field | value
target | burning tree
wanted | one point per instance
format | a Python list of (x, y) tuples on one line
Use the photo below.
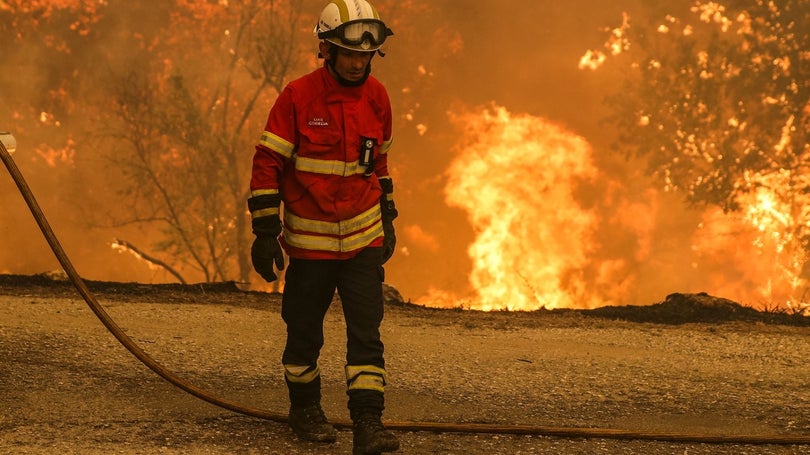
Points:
[(718, 102)]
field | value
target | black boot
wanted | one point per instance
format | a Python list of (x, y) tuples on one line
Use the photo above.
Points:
[(309, 423), (370, 436), (306, 416)]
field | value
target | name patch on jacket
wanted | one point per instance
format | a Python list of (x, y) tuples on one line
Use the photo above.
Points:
[(318, 121)]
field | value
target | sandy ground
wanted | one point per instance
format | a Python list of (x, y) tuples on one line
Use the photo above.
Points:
[(68, 387)]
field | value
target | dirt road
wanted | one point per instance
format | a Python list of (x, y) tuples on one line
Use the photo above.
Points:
[(68, 387)]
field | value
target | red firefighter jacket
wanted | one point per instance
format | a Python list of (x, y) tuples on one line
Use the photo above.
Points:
[(310, 153)]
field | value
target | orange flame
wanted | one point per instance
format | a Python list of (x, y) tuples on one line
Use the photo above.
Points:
[(515, 177)]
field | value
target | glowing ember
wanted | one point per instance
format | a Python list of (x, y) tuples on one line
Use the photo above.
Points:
[(515, 176)]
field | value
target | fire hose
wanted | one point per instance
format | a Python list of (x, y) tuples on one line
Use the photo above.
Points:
[(437, 427)]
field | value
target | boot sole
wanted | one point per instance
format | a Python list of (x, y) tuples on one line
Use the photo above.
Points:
[(376, 450), (315, 437)]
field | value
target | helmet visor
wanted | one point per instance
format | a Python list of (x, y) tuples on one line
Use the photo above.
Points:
[(355, 33)]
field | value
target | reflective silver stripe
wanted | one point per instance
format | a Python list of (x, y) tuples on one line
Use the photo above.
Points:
[(301, 374), (386, 146), (278, 144), (366, 377), (323, 243), (344, 227), (264, 212), (255, 193), (328, 167)]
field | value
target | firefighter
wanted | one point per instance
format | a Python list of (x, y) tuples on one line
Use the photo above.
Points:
[(322, 193)]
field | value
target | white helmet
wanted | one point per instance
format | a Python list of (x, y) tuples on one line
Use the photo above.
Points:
[(352, 24)]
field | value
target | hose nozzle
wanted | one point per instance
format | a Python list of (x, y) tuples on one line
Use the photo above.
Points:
[(8, 141)]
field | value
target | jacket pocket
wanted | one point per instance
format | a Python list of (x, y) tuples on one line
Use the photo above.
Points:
[(320, 143)]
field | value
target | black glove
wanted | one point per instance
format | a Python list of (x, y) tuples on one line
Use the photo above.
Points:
[(388, 211), (266, 222), (264, 253), (389, 241)]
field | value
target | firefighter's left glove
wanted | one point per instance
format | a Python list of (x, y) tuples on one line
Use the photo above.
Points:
[(388, 210), (389, 241), (265, 252)]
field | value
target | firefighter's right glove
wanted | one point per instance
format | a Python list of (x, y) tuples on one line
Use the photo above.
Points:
[(265, 252)]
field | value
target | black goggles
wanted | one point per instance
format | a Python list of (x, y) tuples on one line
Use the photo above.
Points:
[(355, 33)]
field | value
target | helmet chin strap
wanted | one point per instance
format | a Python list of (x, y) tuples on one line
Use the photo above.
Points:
[(333, 55)]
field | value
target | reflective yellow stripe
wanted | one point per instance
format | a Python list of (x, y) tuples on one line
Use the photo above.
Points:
[(255, 193), (278, 144), (366, 377), (343, 8), (352, 371), (301, 374), (344, 227), (322, 243), (387, 196), (368, 382), (368, 222), (344, 11), (264, 212), (386, 146), (329, 167)]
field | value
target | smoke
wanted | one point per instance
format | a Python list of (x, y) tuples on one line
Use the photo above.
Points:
[(629, 242), (44, 89), (519, 204), (527, 63)]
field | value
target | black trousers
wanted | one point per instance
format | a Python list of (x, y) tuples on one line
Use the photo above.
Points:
[(308, 292)]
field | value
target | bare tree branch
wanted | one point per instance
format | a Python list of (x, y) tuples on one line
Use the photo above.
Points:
[(123, 244)]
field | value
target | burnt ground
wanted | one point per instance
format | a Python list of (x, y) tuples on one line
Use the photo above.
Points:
[(676, 308), (692, 364)]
